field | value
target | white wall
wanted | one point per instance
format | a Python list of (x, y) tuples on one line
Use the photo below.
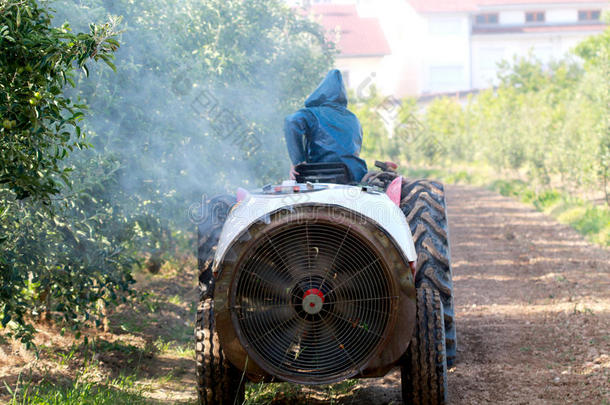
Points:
[(430, 52), (558, 16), (363, 72), (399, 74), (437, 52), (485, 58), (511, 17), (554, 14), (446, 58)]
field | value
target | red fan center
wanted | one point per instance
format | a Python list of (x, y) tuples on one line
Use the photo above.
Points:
[(312, 301)]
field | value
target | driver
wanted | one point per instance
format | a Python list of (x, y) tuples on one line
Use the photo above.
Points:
[(325, 131)]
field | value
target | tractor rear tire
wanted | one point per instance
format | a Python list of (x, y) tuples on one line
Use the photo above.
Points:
[(423, 203), (213, 214), (424, 365), (218, 381)]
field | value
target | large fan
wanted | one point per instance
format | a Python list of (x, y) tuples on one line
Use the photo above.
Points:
[(312, 301)]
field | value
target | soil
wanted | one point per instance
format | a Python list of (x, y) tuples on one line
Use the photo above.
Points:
[(532, 307)]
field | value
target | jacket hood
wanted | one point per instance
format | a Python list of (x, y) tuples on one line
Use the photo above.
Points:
[(330, 92)]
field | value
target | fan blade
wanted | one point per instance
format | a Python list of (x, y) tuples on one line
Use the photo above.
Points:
[(290, 256), (280, 343), (272, 273), (336, 328), (297, 257), (259, 321)]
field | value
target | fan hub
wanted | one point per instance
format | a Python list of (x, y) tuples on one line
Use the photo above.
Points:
[(313, 299)]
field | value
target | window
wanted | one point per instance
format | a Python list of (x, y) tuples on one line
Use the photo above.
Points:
[(486, 18), (534, 16), (589, 15)]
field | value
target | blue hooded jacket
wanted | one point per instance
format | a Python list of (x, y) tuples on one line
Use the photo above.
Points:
[(325, 130)]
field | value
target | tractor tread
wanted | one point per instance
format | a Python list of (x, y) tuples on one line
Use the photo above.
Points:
[(424, 366), (218, 381), (424, 206)]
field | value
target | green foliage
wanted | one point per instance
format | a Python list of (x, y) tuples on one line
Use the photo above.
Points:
[(593, 221), (36, 62), (595, 95), (51, 259), (443, 137), (376, 142), (509, 188), (594, 49), (250, 63), (544, 132), (69, 261)]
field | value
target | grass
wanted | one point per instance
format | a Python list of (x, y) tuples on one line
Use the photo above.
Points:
[(592, 221), (174, 347), (175, 299), (101, 345), (82, 391), (286, 393), (262, 393)]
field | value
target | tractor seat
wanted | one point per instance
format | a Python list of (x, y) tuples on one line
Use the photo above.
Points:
[(336, 173)]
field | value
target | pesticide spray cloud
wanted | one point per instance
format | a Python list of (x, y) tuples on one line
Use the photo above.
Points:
[(196, 106)]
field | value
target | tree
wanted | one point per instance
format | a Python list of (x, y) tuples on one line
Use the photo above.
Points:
[(36, 62), (376, 140), (595, 51), (195, 107), (40, 127), (198, 102)]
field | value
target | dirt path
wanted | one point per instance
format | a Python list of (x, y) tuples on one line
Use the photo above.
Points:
[(533, 302), (533, 309)]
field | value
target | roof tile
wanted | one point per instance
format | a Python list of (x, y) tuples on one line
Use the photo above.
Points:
[(357, 36)]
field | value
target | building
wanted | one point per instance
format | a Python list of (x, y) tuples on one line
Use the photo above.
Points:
[(442, 46), (465, 40), (360, 40)]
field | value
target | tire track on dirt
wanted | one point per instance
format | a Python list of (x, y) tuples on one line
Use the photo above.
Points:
[(532, 305)]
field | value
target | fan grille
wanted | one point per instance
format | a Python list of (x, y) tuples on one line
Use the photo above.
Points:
[(312, 301)]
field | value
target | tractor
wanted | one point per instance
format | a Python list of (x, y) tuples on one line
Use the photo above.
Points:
[(317, 280)]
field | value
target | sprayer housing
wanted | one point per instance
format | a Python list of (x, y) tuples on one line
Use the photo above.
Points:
[(313, 284)]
